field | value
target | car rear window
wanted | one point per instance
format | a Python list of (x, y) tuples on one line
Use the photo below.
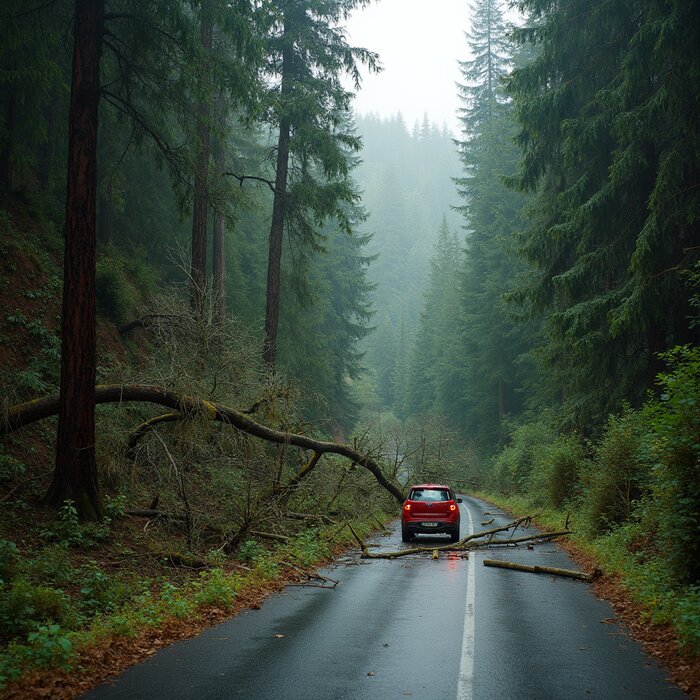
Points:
[(429, 495)]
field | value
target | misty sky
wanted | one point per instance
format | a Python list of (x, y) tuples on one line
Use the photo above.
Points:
[(419, 42)]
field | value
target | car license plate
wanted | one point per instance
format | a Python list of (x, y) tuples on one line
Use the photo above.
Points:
[(429, 524)]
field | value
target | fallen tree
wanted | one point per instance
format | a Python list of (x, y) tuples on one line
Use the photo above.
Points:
[(536, 569), (473, 541), (188, 407)]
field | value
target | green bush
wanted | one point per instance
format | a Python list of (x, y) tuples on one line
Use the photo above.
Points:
[(24, 607), (51, 566), (8, 561), (562, 464), (249, 551), (115, 296), (99, 592), (215, 587), (512, 467), (308, 548), (619, 473), (175, 602), (10, 468), (674, 424)]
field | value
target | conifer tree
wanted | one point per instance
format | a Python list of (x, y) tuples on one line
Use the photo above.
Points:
[(614, 161), (492, 340), (309, 55)]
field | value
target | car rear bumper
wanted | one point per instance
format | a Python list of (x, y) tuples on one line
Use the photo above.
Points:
[(417, 526)]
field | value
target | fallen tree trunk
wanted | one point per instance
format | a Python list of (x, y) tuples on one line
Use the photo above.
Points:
[(465, 543), (22, 414), (541, 537), (536, 569)]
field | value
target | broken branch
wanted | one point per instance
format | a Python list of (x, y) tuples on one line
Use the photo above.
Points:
[(22, 414), (568, 573)]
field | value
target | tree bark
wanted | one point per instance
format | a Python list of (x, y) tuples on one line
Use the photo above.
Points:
[(568, 573), (75, 475), (198, 267), (219, 267), (274, 260), (22, 414)]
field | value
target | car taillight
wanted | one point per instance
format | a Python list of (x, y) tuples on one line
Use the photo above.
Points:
[(407, 506), (453, 506)]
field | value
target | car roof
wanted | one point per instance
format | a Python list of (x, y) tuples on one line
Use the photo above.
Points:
[(430, 486)]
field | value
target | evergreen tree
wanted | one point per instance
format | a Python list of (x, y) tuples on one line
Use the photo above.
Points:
[(309, 55), (614, 161), (435, 381), (492, 340), (75, 474)]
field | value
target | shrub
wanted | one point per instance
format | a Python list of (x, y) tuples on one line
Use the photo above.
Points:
[(24, 607), (49, 647), (250, 550), (563, 462), (99, 593), (674, 423), (115, 296), (8, 561), (308, 548), (175, 603), (10, 467), (215, 587), (618, 475), (513, 465)]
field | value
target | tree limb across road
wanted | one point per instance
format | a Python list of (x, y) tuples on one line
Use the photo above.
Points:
[(473, 541), (22, 414)]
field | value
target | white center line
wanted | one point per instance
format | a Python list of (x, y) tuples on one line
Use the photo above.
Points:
[(465, 685)]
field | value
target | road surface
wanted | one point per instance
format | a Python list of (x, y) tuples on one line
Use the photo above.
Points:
[(412, 627)]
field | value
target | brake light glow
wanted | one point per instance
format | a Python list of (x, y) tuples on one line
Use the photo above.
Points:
[(453, 506), (407, 506)]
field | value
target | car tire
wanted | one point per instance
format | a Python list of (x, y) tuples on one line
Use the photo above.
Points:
[(454, 535), (406, 535)]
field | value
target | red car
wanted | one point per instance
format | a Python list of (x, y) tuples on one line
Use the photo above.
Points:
[(430, 508)]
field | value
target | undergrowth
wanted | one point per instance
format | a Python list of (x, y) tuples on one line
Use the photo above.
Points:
[(633, 494), (46, 627)]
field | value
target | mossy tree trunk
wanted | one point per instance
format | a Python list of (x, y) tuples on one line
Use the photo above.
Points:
[(75, 474)]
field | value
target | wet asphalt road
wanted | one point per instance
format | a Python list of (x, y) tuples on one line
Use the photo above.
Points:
[(415, 628)]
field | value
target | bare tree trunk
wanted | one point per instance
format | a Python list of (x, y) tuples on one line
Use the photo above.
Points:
[(198, 269), (75, 475), (218, 264), (274, 260)]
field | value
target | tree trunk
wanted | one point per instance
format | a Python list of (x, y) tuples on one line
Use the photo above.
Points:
[(218, 265), (6, 160), (274, 260), (75, 475), (198, 268)]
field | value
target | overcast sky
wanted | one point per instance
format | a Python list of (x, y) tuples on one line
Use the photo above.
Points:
[(419, 43)]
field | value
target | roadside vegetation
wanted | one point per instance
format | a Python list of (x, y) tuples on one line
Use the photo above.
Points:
[(631, 494)]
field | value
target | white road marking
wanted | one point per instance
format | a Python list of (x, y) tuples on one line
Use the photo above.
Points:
[(465, 685)]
